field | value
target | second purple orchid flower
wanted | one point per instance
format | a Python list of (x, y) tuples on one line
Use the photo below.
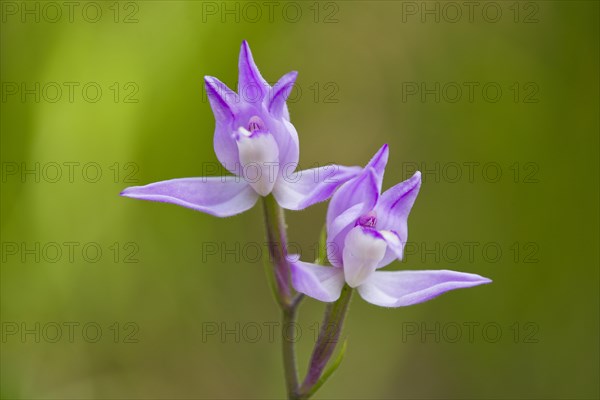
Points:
[(366, 231), (255, 141)]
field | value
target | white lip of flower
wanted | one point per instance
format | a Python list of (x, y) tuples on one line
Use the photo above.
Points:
[(259, 158), (362, 253)]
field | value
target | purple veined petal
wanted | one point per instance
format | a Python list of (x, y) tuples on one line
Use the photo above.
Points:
[(395, 205), (279, 94), (218, 196), (395, 247), (405, 288), (287, 139), (226, 148), (285, 113), (352, 200), (252, 87), (322, 283), (363, 250), (378, 163), (362, 189), (301, 189), (337, 231), (223, 101), (346, 220)]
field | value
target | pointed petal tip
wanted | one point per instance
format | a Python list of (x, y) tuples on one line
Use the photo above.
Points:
[(411, 185), (211, 84), (406, 287), (210, 80), (126, 192), (223, 101), (467, 277), (416, 178), (379, 161), (290, 77), (383, 151), (132, 192), (481, 280), (245, 51), (279, 94)]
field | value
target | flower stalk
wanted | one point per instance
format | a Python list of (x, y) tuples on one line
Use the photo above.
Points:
[(289, 353), (277, 243), (327, 341), (288, 302)]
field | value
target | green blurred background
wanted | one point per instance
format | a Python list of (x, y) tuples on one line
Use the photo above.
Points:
[(533, 333)]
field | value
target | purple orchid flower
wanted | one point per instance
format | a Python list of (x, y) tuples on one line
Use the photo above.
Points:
[(365, 232), (254, 140)]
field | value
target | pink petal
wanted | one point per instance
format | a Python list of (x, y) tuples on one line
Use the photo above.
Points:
[(223, 101), (352, 200), (224, 104), (378, 163), (287, 140), (395, 205), (218, 196), (395, 247), (279, 94), (322, 283), (404, 288), (302, 189), (251, 85)]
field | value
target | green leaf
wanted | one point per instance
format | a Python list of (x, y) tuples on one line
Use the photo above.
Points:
[(329, 371)]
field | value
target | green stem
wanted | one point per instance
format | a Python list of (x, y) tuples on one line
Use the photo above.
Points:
[(289, 353), (277, 243), (281, 280), (327, 341)]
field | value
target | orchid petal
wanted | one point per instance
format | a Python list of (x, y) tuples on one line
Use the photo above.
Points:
[(395, 247), (362, 189), (346, 220), (353, 199), (218, 196), (287, 140), (378, 163), (302, 189), (404, 288), (281, 91), (251, 85), (223, 101), (363, 249), (322, 283), (395, 205), (226, 148)]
